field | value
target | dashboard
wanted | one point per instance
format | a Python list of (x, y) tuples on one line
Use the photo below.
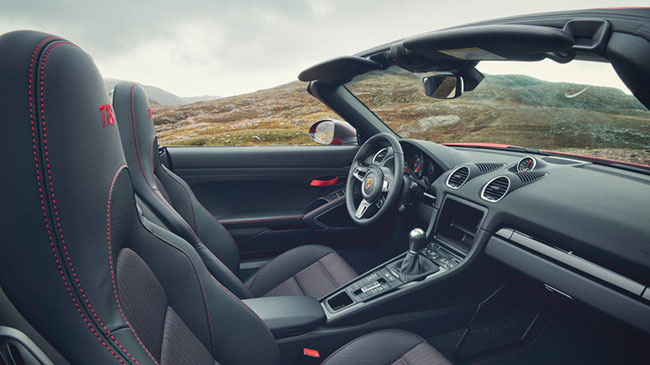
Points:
[(580, 229)]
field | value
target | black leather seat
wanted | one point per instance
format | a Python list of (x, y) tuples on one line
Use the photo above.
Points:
[(309, 270), (96, 279)]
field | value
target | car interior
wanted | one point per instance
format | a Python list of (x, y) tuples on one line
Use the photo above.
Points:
[(370, 249)]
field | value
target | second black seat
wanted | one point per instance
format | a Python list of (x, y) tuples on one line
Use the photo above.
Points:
[(311, 270)]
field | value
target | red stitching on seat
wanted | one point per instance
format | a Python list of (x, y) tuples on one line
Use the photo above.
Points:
[(205, 298), (196, 224), (136, 146), (110, 260), (141, 167), (56, 213)]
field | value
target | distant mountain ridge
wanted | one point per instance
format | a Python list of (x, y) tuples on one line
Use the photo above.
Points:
[(507, 109), (161, 96)]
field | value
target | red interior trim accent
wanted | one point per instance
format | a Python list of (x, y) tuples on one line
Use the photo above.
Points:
[(316, 182), (310, 352)]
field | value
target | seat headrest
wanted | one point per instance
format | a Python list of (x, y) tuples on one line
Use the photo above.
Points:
[(138, 135)]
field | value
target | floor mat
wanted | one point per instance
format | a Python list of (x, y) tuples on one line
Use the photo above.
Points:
[(579, 335), (497, 334)]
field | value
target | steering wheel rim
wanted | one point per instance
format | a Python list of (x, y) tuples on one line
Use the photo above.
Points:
[(375, 181)]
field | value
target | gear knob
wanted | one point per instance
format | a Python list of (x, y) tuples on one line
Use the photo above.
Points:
[(416, 240)]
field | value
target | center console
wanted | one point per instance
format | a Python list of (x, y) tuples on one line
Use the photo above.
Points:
[(288, 315), (431, 255)]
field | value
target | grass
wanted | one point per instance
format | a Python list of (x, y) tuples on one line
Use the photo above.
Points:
[(508, 109)]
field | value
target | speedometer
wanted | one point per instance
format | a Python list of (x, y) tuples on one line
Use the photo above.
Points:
[(527, 163), (416, 164)]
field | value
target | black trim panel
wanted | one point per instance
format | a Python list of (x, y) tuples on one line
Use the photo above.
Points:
[(624, 307)]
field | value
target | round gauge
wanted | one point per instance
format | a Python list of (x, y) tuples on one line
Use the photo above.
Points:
[(416, 164), (527, 163)]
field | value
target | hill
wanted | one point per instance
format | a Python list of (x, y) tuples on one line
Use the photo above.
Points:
[(161, 96), (509, 109)]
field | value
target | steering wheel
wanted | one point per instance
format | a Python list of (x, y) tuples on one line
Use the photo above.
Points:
[(380, 183)]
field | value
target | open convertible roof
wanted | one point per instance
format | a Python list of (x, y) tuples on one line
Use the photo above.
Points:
[(619, 36)]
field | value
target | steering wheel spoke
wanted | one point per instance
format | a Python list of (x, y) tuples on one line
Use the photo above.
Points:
[(385, 187), (360, 172), (362, 209), (388, 180)]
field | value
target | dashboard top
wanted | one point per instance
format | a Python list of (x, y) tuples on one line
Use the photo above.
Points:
[(598, 212)]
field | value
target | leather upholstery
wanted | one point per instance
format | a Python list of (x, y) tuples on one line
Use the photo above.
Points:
[(72, 237), (310, 270), (221, 255), (388, 347), (100, 282)]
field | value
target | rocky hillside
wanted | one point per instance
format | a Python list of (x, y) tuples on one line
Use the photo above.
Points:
[(509, 109), (281, 115), (161, 96)]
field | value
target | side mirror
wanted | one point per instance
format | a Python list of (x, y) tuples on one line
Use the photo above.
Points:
[(443, 86), (333, 132)]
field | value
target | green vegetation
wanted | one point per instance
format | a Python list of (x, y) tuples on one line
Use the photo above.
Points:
[(281, 115), (508, 109)]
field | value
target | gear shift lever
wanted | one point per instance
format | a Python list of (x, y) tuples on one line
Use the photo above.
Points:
[(414, 264), (416, 240)]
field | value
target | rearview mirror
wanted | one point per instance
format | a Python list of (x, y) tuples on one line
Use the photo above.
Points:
[(443, 86), (333, 132)]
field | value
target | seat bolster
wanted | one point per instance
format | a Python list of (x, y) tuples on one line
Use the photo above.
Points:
[(222, 273), (387, 347), (311, 270)]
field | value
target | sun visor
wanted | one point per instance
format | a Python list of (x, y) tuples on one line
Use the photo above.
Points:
[(339, 70), (491, 42)]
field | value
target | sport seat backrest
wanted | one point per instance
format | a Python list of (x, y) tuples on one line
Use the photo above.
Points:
[(166, 196), (101, 284)]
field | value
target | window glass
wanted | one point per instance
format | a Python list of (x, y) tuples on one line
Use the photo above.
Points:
[(277, 116), (581, 108)]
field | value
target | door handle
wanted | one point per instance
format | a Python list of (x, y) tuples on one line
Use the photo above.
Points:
[(319, 182)]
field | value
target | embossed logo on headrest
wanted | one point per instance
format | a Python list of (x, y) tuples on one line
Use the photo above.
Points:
[(107, 115)]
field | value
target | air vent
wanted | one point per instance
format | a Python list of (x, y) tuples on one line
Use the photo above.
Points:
[(495, 189), (530, 176), (488, 166), (458, 177), (380, 156)]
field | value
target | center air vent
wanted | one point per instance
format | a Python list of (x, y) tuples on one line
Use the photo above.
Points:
[(488, 166), (458, 177), (380, 156), (530, 176), (495, 189)]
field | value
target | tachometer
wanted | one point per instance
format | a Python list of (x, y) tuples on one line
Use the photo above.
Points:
[(416, 164), (527, 163)]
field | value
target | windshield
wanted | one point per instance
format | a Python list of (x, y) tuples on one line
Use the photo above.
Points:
[(519, 104)]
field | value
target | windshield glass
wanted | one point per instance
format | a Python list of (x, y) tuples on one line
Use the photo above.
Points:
[(521, 104)]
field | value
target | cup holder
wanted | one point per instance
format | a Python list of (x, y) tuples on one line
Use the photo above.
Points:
[(339, 301)]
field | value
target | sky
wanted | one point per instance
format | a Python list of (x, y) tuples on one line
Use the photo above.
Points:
[(218, 47)]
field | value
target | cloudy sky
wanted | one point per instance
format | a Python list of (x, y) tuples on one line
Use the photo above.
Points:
[(218, 47)]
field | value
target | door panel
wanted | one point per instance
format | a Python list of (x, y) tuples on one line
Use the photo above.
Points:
[(273, 198)]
